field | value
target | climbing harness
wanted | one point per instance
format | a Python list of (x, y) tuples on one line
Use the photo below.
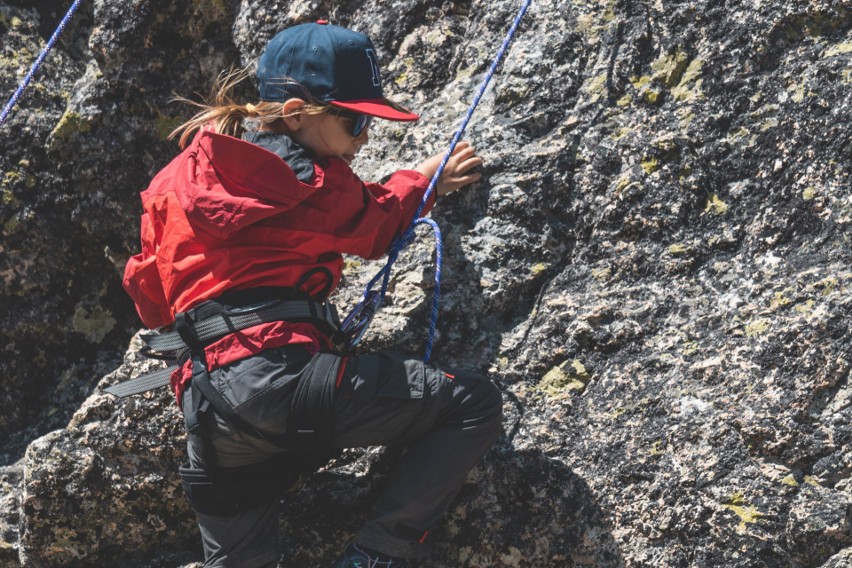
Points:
[(39, 60), (210, 321), (372, 301), (307, 442), (175, 344), (206, 325)]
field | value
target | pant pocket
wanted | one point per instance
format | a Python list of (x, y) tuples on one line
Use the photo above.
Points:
[(385, 375)]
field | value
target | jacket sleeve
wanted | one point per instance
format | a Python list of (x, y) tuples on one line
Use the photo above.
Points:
[(369, 216)]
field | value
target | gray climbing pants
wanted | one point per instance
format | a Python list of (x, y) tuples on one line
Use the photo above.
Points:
[(447, 421)]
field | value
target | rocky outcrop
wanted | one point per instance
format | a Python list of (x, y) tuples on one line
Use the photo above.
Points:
[(656, 270)]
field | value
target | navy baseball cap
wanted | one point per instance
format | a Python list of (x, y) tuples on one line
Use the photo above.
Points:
[(336, 66)]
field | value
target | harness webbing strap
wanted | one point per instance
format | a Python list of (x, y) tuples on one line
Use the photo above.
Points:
[(143, 383), (218, 326), (311, 419)]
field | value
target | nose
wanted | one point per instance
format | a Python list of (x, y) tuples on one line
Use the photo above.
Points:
[(364, 137)]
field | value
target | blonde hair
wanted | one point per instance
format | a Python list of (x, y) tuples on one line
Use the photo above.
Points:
[(224, 115)]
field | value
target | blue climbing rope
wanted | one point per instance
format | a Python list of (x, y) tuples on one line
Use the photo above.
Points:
[(408, 236), (35, 67)]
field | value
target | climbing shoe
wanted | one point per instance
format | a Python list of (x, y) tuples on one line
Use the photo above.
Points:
[(359, 557)]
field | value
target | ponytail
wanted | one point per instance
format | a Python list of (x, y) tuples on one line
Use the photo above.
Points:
[(222, 113)]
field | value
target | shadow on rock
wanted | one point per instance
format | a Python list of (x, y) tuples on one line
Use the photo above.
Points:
[(519, 508)]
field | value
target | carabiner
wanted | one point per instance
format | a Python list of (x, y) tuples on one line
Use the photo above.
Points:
[(357, 322)]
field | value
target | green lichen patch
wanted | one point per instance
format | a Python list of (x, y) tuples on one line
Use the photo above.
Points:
[(769, 124), (94, 323), (621, 132), (538, 268), (17, 59), (746, 513), (594, 22), (601, 274), (639, 82), (568, 377), (689, 347), (827, 286), (797, 92), (649, 91), (595, 86), (71, 123), (715, 205), (790, 480), (686, 116), (623, 182), (739, 134), (513, 93), (757, 328), (650, 164), (812, 481), (666, 145), (839, 49), (8, 198), (11, 178), (689, 86), (780, 299), (669, 69), (651, 95), (351, 264), (806, 307)]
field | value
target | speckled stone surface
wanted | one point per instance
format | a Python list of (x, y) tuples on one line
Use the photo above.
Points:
[(655, 269)]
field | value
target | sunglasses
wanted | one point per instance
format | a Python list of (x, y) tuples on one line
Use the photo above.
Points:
[(360, 122)]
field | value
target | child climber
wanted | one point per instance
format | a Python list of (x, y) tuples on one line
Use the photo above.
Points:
[(247, 226)]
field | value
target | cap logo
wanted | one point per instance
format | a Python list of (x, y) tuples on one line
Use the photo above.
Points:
[(330, 64), (374, 64)]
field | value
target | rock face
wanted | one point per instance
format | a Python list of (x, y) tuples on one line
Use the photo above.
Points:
[(656, 269)]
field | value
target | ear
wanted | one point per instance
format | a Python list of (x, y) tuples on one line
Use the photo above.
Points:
[(291, 113)]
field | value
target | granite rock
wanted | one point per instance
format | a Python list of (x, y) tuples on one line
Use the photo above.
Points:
[(655, 269)]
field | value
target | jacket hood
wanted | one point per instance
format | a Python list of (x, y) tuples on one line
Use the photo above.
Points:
[(233, 183)]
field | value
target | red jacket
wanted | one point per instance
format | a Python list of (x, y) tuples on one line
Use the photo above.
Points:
[(227, 215)]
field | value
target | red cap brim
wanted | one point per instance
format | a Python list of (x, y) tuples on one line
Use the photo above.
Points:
[(380, 108)]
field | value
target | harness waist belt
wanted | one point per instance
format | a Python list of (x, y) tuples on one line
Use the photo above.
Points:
[(236, 319), (217, 326)]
